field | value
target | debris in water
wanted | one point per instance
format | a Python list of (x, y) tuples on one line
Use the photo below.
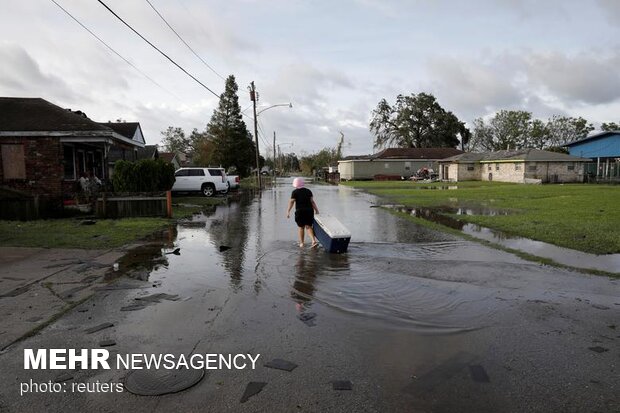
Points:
[(479, 374), (342, 385), (63, 377), (133, 307), (307, 318), (34, 319), (98, 328), (224, 248), (600, 307), (598, 349), (177, 251), (252, 389), (107, 343), (155, 298), (158, 382), (281, 365)]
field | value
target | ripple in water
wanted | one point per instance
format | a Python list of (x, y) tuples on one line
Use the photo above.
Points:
[(383, 282)]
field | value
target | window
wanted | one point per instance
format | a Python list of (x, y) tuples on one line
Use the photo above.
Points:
[(517, 166), (182, 172), (68, 159), (13, 162), (386, 165), (531, 168), (196, 172), (407, 166), (489, 167), (470, 166), (570, 166), (497, 167)]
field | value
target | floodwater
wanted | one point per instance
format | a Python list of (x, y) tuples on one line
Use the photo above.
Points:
[(414, 319), (609, 262)]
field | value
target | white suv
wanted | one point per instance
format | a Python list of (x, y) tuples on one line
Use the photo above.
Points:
[(206, 180)]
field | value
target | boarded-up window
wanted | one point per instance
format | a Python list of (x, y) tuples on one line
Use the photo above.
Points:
[(13, 162)]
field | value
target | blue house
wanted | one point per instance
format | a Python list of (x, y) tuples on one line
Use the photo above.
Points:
[(602, 147)]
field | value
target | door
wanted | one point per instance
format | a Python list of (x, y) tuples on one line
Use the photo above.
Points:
[(181, 182)]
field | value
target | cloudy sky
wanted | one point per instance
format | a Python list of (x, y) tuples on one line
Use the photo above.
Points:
[(333, 59)]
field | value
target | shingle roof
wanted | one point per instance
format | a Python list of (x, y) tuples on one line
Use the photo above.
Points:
[(167, 156), (148, 152), (532, 155), (416, 153), (39, 115), (127, 129)]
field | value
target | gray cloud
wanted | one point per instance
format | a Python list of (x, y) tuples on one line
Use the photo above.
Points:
[(612, 9), (583, 78), (20, 75)]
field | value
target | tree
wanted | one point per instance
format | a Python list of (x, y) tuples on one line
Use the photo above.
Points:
[(610, 127), (416, 121), (232, 143), (563, 129), (175, 141), (202, 148)]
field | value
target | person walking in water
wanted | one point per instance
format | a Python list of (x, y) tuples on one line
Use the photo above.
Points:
[(305, 208)]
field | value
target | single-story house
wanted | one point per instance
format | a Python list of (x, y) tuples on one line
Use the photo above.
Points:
[(521, 166), (604, 149), (45, 148), (130, 130), (403, 162)]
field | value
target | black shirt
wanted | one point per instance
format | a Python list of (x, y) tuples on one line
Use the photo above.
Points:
[(302, 197)]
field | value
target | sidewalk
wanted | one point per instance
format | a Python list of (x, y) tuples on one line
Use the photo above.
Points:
[(38, 284)]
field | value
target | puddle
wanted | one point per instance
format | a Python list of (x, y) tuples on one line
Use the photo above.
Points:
[(565, 256), (577, 259)]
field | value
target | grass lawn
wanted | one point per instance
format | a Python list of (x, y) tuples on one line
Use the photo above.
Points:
[(105, 233), (578, 216)]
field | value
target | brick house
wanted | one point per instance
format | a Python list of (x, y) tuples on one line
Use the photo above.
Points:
[(520, 166), (45, 148)]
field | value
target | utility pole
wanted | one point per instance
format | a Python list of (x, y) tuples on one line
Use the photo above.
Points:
[(254, 99), (274, 159)]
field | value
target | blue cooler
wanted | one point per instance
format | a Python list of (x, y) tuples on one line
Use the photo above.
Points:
[(332, 235)]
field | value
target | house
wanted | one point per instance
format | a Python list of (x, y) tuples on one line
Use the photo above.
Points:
[(132, 131), (44, 148), (602, 147), (172, 158), (148, 152), (403, 162), (521, 166)]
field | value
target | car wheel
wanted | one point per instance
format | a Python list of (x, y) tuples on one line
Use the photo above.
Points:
[(208, 190)]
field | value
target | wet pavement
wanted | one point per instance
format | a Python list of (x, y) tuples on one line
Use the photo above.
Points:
[(408, 320)]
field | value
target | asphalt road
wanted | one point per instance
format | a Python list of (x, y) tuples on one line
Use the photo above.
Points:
[(415, 320)]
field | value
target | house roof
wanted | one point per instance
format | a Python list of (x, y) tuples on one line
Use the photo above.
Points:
[(593, 137), (148, 152), (39, 115), (407, 153), (531, 155), (416, 153), (167, 156), (127, 129)]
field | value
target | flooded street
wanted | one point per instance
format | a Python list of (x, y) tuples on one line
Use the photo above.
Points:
[(415, 320)]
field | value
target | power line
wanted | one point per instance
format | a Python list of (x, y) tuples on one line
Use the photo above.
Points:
[(182, 40), (156, 48), (112, 50)]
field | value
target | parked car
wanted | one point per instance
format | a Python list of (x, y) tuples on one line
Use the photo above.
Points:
[(208, 181), (233, 181)]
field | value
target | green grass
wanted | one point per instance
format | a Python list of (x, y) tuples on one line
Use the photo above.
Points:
[(577, 216), (104, 234)]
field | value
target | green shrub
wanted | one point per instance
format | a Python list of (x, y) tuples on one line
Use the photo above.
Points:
[(146, 175)]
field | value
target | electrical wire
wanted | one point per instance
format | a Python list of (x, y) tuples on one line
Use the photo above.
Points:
[(156, 48), (114, 51), (184, 42)]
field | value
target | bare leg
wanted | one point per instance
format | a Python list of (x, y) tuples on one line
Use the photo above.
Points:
[(301, 236), (310, 231)]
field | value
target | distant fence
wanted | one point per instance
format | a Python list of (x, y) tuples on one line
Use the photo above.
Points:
[(155, 205), (23, 209)]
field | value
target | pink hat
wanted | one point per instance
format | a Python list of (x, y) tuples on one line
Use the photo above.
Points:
[(298, 182)]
